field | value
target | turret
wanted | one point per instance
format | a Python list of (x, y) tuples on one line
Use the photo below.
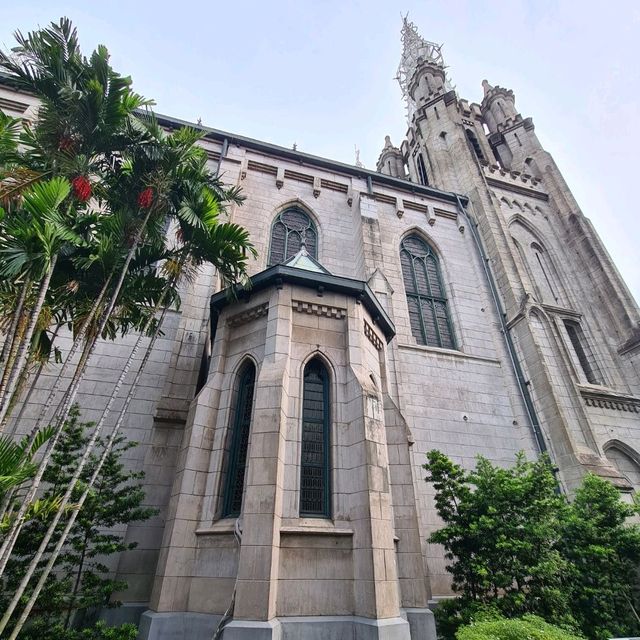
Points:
[(499, 107), (390, 161), (511, 137)]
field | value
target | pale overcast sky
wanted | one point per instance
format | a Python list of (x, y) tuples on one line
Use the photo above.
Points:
[(320, 74)]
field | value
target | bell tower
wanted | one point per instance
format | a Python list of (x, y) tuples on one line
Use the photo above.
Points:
[(568, 317)]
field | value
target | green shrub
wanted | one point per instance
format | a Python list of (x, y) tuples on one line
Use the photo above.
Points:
[(525, 628), (99, 631)]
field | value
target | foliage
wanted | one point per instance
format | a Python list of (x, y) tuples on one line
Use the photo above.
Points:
[(99, 631), (501, 532), (81, 582), (603, 552), (516, 547), (528, 627)]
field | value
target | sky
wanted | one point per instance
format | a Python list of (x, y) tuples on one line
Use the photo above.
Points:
[(320, 74)]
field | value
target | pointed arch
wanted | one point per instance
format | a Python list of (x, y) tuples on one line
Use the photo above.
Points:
[(426, 297), (625, 459), (238, 438), (293, 223), (505, 201), (541, 268), (315, 464)]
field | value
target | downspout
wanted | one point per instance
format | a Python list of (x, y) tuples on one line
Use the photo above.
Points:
[(523, 384), (223, 154)]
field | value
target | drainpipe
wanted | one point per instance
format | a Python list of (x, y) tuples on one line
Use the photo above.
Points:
[(523, 384), (223, 153)]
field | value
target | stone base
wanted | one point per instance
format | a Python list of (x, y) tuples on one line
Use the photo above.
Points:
[(129, 612), (174, 625), (200, 626), (253, 630), (422, 623), (344, 627)]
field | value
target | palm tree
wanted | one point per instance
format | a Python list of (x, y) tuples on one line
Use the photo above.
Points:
[(141, 179)]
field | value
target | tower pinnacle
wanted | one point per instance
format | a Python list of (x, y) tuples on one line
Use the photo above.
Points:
[(415, 50)]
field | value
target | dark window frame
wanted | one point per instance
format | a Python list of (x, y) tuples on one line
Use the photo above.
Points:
[(312, 506), (422, 170), (289, 249), (583, 352), (423, 292), (237, 457)]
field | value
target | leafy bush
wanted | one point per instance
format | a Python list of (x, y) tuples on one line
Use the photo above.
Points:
[(516, 546), (526, 628), (100, 631)]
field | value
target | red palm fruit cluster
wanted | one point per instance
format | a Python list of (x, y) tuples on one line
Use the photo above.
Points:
[(145, 198), (81, 188), (66, 143)]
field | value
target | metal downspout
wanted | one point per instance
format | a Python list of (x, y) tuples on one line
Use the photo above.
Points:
[(523, 384)]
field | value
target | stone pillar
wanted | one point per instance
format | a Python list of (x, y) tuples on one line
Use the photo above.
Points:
[(374, 557), (256, 591)]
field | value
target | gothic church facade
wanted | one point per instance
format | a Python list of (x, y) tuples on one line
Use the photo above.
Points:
[(456, 298)]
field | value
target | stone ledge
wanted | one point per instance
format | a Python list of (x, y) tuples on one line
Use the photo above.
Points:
[(608, 399), (225, 526), (448, 352), (315, 531)]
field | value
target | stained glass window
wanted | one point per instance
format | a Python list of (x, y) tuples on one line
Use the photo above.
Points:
[(314, 474), (287, 232), (234, 486), (428, 313)]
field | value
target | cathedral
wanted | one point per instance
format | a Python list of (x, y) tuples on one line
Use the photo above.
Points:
[(456, 298)]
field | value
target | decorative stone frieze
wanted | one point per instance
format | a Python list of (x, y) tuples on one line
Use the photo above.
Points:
[(373, 336), (248, 315), (319, 309), (611, 401)]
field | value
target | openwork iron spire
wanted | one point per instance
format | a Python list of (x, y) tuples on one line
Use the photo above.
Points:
[(414, 49)]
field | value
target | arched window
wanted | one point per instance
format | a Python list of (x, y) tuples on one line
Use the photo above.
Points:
[(475, 144), (583, 352), (314, 465), (237, 456), (426, 298), (287, 232), (422, 171)]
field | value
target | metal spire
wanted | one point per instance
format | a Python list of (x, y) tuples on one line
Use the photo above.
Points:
[(414, 49)]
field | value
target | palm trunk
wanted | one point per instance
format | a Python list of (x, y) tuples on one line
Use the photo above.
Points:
[(12, 536), (77, 341), (10, 347), (74, 387), (32, 386), (13, 327), (21, 357), (78, 506)]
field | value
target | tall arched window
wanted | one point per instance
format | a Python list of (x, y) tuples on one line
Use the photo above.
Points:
[(286, 235), (237, 456), (426, 298), (315, 499), (475, 144), (422, 170)]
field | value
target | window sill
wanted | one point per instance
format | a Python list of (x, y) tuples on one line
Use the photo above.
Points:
[(446, 352), (222, 527), (313, 526)]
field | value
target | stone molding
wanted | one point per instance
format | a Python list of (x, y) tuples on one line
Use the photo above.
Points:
[(323, 310), (373, 336), (610, 400), (248, 315)]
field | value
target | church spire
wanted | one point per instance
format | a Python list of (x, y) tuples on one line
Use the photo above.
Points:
[(415, 51)]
